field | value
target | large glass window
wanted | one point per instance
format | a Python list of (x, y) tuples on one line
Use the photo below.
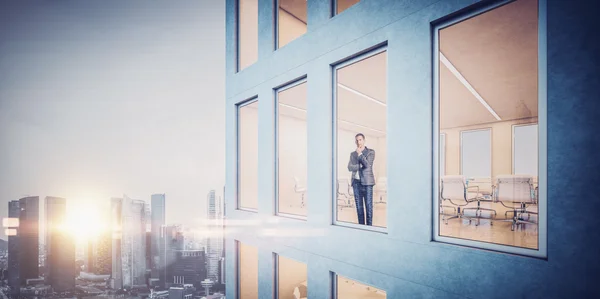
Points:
[(247, 32), (351, 289), (291, 20), (292, 280), (341, 5), (248, 155), (360, 107), (292, 150), (247, 271), (487, 100)]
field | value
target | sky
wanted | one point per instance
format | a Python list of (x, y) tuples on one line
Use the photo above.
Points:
[(104, 98)]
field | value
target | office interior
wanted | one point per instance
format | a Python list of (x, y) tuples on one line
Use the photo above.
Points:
[(292, 279), (488, 125)]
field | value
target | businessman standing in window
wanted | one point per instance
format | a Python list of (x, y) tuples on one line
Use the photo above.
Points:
[(363, 180)]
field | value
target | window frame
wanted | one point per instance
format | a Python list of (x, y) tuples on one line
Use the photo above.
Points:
[(283, 87), (276, 25), (334, 284), (542, 251), (237, 38), (238, 107), (357, 57)]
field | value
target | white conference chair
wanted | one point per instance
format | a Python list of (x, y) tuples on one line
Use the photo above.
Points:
[(345, 194), (381, 189), (298, 188), (516, 192), (455, 191)]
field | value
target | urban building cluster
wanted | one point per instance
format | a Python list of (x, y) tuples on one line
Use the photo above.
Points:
[(140, 256)]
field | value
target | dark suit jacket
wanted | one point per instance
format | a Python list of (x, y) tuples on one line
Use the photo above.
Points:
[(364, 166)]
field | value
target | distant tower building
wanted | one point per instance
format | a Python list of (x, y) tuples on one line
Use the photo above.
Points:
[(12, 231), (189, 267), (116, 208), (60, 246), (171, 240), (89, 259), (133, 242), (29, 238), (215, 239), (103, 254), (158, 218)]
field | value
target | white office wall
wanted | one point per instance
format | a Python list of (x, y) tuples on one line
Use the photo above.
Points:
[(525, 150), (442, 154), (292, 159), (476, 153)]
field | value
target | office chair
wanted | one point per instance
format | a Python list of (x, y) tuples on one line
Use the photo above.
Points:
[(381, 189), (299, 189), (517, 191), (345, 194), (484, 194), (455, 191)]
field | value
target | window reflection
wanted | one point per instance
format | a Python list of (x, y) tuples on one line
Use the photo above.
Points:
[(292, 281), (248, 271), (247, 33), (488, 115), (291, 21), (361, 109), (248, 155), (351, 289), (292, 150)]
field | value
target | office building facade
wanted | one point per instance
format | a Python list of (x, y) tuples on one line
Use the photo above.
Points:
[(491, 109), (158, 218), (60, 246), (189, 267)]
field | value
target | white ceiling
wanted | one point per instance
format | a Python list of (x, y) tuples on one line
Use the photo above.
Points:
[(496, 52), (297, 8)]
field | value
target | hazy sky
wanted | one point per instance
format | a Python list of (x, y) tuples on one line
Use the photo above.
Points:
[(104, 98)]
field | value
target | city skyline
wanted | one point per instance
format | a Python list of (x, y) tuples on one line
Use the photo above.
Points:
[(93, 122)]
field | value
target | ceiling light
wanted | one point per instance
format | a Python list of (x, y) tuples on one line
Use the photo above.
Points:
[(464, 81), (340, 120), (362, 94)]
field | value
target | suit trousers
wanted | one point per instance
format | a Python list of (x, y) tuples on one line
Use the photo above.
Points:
[(363, 196)]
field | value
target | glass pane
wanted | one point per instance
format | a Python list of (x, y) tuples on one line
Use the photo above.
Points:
[(292, 150), (248, 156), (248, 271), (291, 20), (351, 289), (361, 104), (342, 5), (487, 91), (292, 279), (247, 32)]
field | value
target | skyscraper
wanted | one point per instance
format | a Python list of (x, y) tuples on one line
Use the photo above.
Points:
[(103, 254), (116, 207), (28, 238), (133, 242), (171, 239), (215, 239), (158, 210), (12, 232), (60, 248), (189, 267)]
